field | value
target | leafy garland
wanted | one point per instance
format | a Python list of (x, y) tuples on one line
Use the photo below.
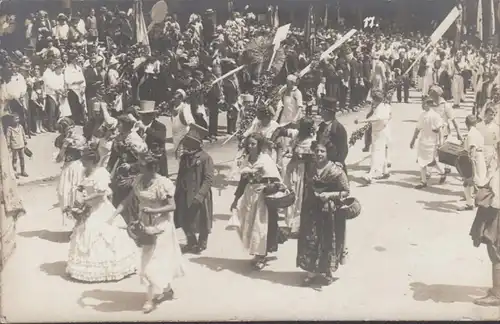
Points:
[(389, 93), (167, 107)]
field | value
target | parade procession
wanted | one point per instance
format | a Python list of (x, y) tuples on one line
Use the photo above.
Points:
[(226, 160)]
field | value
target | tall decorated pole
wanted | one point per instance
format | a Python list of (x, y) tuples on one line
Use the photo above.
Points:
[(459, 26), (479, 20)]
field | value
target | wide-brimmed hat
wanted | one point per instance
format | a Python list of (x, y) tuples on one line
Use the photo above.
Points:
[(147, 107), (62, 16), (436, 89)]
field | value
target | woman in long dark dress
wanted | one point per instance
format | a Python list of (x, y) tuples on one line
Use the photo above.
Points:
[(322, 231)]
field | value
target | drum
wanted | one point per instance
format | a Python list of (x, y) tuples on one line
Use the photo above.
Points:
[(464, 166), (449, 152)]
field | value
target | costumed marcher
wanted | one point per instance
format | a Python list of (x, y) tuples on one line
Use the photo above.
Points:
[(99, 251), (380, 126), (491, 133), (193, 192), (70, 143), (294, 176), (259, 230), (474, 145), (321, 243), (75, 83), (429, 127), (161, 259), (123, 163)]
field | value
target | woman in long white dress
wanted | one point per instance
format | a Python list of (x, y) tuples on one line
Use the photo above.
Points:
[(259, 231), (161, 260), (70, 143), (99, 251), (491, 133)]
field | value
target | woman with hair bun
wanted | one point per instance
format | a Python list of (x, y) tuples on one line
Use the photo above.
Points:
[(99, 251)]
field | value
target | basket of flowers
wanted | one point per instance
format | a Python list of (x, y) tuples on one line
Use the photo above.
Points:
[(277, 196)]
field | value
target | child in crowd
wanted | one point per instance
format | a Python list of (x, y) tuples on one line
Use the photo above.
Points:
[(16, 140)]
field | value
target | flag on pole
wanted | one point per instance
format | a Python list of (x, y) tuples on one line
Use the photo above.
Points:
[(459, 23), (276, 20), (325, 21), (141, 30), (493, 20), (479, 20)]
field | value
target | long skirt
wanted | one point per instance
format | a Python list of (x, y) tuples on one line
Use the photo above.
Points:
[(379, 159), (99, 251), (294, 179), (321, 243), (71, 176), (258, 224), (162, 262)]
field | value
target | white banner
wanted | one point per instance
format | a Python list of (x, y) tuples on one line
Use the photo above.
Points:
[(332, 48), (445, 25)]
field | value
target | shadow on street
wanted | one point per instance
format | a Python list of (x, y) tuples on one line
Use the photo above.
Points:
[(55, 237), (244, 268), (110, 301), (446, 293)]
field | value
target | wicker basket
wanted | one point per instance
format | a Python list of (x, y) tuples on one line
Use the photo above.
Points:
[(281, 199), (350, 209)]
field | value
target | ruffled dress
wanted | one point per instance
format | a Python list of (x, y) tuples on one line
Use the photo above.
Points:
[(162, 261), (99, 251)]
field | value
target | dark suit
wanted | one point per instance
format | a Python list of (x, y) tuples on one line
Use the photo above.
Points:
[(335, 139), (355, 74), (212, 100), (231, 93), (155, 138), (92, 78), (193, 197), (402, 65), (343, 68)]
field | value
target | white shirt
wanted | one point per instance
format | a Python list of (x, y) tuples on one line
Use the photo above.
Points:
[(72, 75), (17, 87), (381, 116), (61, 31), (292, 106), (53, 83)]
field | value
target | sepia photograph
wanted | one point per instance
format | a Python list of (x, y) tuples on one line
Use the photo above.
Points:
[(249, 160)]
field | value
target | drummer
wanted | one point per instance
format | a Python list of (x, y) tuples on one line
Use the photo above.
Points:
[(474, 145), (491, 133), (445, 110)]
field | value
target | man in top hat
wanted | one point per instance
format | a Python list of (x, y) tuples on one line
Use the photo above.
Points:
[(154, 133), (93, 79), (193, 192), (332, 132)]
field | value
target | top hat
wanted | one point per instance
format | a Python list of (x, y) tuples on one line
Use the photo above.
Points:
[(329, 104), (147, 107), (196, 133)]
